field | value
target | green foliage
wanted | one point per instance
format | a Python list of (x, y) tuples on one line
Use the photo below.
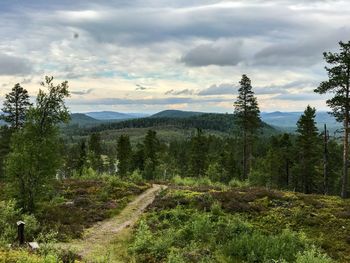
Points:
[(312, 255), (8, 218), (247, 118), (186, 235), (308, 143), (16, 106), (198, 156), (95, 152), (9, 215), (124, 154), (23, 256), (34, 156), (192, 181), (323, 220), (136, 177), (151, 148)]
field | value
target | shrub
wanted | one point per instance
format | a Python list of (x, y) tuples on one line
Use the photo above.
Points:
[(136, 177), (238, 183), (312, 255), (187, 235), (8, 217)]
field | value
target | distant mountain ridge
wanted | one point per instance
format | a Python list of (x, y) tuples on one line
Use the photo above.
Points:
[(176, 114), (113, 115), (277, 118), (290, 119), (82, 119)]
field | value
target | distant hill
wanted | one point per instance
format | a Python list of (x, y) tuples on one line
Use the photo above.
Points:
[(205, 121), (176, 114), (289, 119), (83, 120), (113, 115)]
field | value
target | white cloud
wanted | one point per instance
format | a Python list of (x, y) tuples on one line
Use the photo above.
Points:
[(175, 45)]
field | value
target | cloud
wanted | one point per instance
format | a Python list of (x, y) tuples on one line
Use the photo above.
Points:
[(217, 53), (221, 89), (140, 87), (180, 92), (82, 92), (171, 43), (301, 52), (287, 88), (151, 101), (298, 97), (13, 65)]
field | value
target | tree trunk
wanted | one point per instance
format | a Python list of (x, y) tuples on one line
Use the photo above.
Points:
[(287, 172), (244, 155), (345, 156), (325, 162), (346, 139)]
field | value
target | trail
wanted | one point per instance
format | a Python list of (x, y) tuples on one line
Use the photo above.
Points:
[(98, 237)]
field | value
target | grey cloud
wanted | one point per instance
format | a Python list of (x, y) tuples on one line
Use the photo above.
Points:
[(140, 87), (26, 80), (221, 89), (138, 25), (223, 54), (180, 92), (155, 101), (82, 92), (12, 65), (286, 88), (304, 51), (231, 89), (298, 97)]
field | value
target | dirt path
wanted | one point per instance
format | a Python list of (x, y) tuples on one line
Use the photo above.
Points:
[(98, 237)]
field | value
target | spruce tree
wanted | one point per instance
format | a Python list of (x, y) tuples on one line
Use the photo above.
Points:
[(124, 155), (16, 106), (247, 118), (150, 150), (308, 143), (82, 159), (95, 149), (338, 83), (198, 154)]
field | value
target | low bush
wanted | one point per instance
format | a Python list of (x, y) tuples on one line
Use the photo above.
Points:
[(188, 235), (9, 215)]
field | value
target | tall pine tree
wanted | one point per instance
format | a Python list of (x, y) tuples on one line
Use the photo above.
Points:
[(198, 154), (150, 151), (308, 143), (338, 83), (95, 151), (247, 118), (16, 106), (124, 155)]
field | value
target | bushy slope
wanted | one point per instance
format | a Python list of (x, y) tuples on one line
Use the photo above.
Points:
[(260, 217)]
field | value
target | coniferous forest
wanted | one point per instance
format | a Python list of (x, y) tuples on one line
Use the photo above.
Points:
[(176, 186)]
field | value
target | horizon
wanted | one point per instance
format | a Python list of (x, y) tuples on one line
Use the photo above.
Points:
[(183, 55), (150, 113)]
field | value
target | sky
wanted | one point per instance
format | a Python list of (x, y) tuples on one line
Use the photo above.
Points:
[(151, 55)]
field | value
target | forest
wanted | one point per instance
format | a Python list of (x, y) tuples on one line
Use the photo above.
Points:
[(229, 187)]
